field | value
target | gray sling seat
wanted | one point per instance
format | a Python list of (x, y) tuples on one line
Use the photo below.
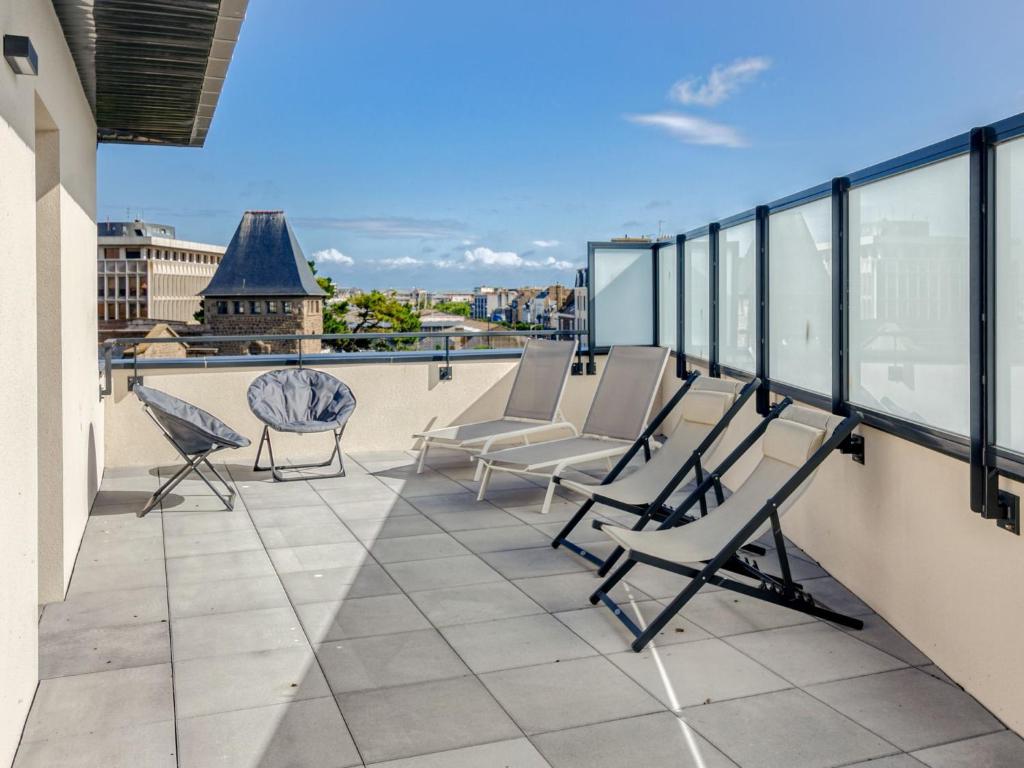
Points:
[(531, 411), (303, 401), (195, 434), (618, 412), (794, 441), (706, 408)]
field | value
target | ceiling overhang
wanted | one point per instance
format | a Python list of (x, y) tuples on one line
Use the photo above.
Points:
[(152, 70)]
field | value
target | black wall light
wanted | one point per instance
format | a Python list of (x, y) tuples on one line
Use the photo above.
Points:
[(21, 55)]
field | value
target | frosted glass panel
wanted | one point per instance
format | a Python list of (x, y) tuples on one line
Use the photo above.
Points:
[(800, 296), (737, 300), (623, 296), (909, 295), (668, 287), (1010, 295), (696, 289)]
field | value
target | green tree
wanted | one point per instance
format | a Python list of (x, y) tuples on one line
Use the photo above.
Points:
[(377, 313), (335, 312), (454, 308)]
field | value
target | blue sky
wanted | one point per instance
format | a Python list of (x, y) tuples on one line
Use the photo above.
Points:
[(450, 144)]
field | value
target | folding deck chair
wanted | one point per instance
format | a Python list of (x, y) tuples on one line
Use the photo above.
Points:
[(707, 406), (620, 407), (794, 443), (532, 408), (195, 434)]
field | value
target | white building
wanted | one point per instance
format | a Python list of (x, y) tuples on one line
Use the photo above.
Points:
[(145, 273)]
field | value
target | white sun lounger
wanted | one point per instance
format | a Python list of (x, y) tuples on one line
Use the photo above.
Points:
[(532, 408), (618, 412), (706, 408), (794, 442)]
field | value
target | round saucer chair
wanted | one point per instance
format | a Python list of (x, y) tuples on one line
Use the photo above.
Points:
[(300, 400)]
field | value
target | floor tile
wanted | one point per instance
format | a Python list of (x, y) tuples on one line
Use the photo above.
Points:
[(408, 548), (122, 523), (725, 613), (813, 653), (561, 510), (568, 591), (201, 598), (341, 555), (582, 534), (909, 708), (479, 602), (997, 750), (552, 697), (599, 627), (244, 680), (337, 584), (444, 572), (412, 485), (266, 496), (103, 578), (880, 634), (275, 537), (501, 539), (206, 522), (835, 596), (187, 545), (409, 720), (388, 660), (516, 753), (82, 704), (360, 617), (212, 568), (116, 607), (471, 519), (452, 502), (541, 561), (275, 517), (788, 729), (517, 642), (80, 651), (893, 761), (697, 673), (371, 531), (264, 629), (344, 495), (144, 744), (660, 740), (108, 550), (372, 509), (302, 734)]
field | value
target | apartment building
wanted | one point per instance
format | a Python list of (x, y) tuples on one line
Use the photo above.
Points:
[(144, 272)]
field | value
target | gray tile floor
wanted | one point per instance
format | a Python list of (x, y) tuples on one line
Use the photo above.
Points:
[(390, 619)]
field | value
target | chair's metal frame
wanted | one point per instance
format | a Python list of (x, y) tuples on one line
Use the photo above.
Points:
[(192, 464), (772, 589), (656, 509), (275, 468)]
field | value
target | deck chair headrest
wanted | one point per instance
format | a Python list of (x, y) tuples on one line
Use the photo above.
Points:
[(704, 407), (791, 442)]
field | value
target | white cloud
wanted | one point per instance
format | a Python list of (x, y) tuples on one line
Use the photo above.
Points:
[(546, 243), (690, 129), (720, 84), (484, 258), (488, 258), (333, 256), (399, 263), (387, 226)]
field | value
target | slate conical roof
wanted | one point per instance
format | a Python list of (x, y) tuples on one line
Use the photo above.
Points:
[(263, 259)]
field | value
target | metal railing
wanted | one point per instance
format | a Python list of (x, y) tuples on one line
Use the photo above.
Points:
[(113, 350)]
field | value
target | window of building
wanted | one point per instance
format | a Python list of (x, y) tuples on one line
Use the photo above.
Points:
[(255, 307), (908, 287), (286, 307), (800, 296), (222, 307), (271, 307), (239, 307), (133, 254)]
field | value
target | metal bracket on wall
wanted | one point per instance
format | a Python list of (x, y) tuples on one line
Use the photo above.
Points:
[(133, 380), (591, 369), (577, 369), (853, 446), (445, 373), (1009, 507)]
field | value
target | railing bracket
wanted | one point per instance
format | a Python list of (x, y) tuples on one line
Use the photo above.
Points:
[(133, 380), (445, 373), (1009, 508), (853, 446), (577, 369)]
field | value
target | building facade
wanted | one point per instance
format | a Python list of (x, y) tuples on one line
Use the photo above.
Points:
[(145, 273), (264, 287)]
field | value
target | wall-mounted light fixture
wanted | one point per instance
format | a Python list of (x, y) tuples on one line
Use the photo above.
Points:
[(21, 55)]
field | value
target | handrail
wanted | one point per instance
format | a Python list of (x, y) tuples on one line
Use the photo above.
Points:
[(445, 354)]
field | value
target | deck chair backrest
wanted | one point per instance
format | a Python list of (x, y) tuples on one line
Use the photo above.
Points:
[(629, 382), (540, 379)]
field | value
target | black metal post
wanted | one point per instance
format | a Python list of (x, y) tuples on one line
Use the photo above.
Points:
[(681, 367), (655, 296), (714, 369), (840, 294), (761, 291)]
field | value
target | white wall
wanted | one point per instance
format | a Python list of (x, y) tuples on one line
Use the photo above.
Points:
[(77, 436)]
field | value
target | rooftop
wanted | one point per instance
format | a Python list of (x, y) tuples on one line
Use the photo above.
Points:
[(387, 617)]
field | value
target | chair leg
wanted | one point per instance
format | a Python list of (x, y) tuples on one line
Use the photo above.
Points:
[(166, 488), (275, 468), (485, 478), (423, 455), (608, 584), (479, 471), (549, 496), (573, 522)]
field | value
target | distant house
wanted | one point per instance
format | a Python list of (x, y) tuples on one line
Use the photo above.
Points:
[(264, 286)]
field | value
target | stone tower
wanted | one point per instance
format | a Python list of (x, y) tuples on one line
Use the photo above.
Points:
[(264, 286)]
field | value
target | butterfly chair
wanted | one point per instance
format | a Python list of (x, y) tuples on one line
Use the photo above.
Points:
[(301, 401), (794, 442), (532, 408), (195, 434)]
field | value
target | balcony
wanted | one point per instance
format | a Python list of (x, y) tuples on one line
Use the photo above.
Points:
[(390, 618)]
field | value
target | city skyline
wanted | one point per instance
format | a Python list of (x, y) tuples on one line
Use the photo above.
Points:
[(440, 157)]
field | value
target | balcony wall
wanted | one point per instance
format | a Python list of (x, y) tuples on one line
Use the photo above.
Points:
[(899, 532), (52, 433)]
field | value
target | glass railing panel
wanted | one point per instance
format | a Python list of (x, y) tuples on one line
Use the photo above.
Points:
[(697, 298), (800, 296), (737, 299), (908, 304), (1009, 298), (623, 302), (668, 295)]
